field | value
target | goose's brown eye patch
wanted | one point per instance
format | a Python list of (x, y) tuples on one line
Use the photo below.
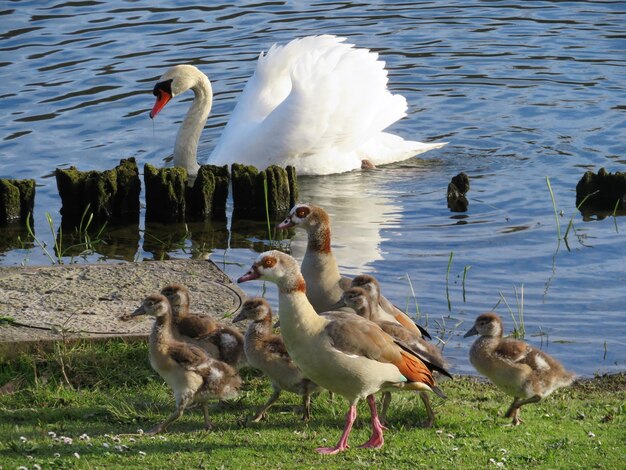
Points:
[(302, 212), (269, 262)]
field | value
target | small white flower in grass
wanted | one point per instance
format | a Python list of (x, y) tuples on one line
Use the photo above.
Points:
[(131, 439), (52, 434), (142, 453), (67, 440), (500, 464), (36, 466), (84, 437), (57, 455), (590, 434), (116, 439), (504, 451), (77, 455), (22, 468), (105, 445), (23, 439), (454, 449), (119, 448), (140, 431), (439, 431), (450, 436)]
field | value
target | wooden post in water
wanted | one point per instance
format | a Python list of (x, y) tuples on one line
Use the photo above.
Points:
[(206, 199), (249, 191), (17, 199), (602, 192), (112, 195), (165, 193)]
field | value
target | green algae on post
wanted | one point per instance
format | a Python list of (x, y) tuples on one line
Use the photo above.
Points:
[(249, 195), (165, 193), (206, 199), (17, 199), (112, 195)]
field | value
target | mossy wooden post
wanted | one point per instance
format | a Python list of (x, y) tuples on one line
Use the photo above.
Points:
[(278, 191), (249, 192), (17, 200), (165, 193), (112, 195), (206, 200), (292, 179), (245, 191), (128, 188), (602, 192)]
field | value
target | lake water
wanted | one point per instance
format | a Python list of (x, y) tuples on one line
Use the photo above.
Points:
[(521, 90)]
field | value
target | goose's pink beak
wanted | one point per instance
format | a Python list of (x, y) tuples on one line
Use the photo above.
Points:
[(162, 99), (287, 223), (249, 276)]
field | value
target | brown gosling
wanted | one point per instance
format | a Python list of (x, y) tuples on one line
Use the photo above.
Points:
[(518, 369), (220, 341), (365, 304), (266, 351), (191, 373)]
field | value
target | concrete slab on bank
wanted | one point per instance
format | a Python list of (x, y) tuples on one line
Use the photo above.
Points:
[(85, 301)]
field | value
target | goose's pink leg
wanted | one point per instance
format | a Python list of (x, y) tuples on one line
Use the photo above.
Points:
[(343, 441), (377, 440)]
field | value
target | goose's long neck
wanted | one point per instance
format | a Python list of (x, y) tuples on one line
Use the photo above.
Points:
[(186, 146), (319, 259), (298, 318)]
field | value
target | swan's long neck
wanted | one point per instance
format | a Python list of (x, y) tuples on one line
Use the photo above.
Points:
[(186, 146)]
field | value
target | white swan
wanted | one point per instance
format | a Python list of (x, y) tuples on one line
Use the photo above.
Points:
[(317, 103)]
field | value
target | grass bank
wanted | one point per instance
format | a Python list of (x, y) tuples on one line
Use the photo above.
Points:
[(78, 406)]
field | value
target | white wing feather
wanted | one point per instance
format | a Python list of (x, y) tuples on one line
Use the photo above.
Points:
[(319, 104)]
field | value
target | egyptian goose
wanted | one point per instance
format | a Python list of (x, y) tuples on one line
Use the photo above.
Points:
[(317, 103), (518, 369), (220, 341), (319, 266), (365, 304), (192, 374), (345, 354), (267, 352)]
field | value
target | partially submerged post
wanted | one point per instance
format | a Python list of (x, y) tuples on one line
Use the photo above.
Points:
[(110, 195), (458, 187), (249, 198), (165, 193), (206, 199), (17, 199), (602, 192)]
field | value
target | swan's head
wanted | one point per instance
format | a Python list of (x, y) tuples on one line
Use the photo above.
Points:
[(175, 81)]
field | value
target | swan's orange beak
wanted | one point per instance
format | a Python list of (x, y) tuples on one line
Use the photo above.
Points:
[(161, 100)]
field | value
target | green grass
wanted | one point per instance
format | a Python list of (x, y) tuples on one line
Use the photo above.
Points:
[(110, 392)]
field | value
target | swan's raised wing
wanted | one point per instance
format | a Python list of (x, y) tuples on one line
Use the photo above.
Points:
[(312, 103)]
